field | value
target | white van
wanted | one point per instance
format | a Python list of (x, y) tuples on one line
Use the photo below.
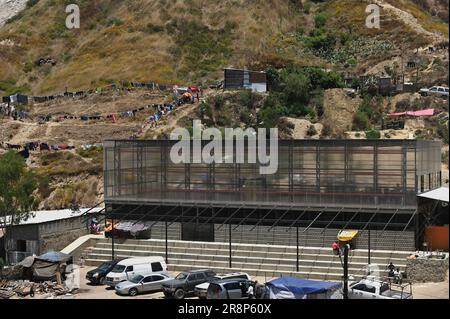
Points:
[(130, 267)]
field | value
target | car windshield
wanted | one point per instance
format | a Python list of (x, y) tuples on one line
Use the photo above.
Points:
[(181, 276), (136, 279), (104, 266), (118, 268)]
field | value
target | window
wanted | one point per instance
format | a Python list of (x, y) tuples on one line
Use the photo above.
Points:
[(129, 268), (118, 269), (214, 288), (148, 279), (157, 278), (199, 276), (441, 89), (434, 89), (191, 277), (232, 286), (384, 287), (157, 267), (364, 287)]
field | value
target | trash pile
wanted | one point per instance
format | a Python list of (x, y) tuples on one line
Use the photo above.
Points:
[(23, 288)]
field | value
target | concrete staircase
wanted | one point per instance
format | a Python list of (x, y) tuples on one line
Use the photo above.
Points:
[(313, 237), (256, 259)]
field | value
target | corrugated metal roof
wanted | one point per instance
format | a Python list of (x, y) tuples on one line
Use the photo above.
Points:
[(45, 216), (440, 193)]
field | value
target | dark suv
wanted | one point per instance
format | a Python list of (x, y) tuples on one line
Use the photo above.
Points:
[(97, 275), (184, 284)]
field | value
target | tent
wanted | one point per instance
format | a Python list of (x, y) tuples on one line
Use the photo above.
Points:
[(45, 267), (298, 288)]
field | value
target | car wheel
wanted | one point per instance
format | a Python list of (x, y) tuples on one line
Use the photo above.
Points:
[(102, 280), (179, 294), (133, 292)]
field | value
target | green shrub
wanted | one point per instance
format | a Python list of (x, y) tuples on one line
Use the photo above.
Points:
[(28, 67), (320, 20), (360, 121), (153, 28), (373, 135), (271, 111), (114, 21), (219, 102)]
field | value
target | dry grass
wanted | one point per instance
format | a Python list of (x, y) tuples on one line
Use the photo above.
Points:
[(130, 39)]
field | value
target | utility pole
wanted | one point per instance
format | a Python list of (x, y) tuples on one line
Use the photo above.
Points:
[(368, 261), (345, 290), (112, 239)]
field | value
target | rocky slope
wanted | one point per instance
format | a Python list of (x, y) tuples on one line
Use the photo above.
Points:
[(10, 8)]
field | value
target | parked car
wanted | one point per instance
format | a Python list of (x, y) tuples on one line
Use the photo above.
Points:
[(228, 289), (435, 90), (185, 282), (141, 284), (127, 268), (202, 289), (97, 276)]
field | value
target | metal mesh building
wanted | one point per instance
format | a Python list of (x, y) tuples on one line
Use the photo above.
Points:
[(319, 183)]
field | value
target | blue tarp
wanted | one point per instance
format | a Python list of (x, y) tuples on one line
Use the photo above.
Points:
[(301, 287)]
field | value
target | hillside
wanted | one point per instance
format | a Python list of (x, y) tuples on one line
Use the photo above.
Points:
[(307, 47), (180, 41)]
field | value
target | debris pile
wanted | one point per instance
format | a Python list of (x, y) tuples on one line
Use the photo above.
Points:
[(23, 288)]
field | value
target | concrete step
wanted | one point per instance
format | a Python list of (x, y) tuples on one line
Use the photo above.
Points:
[(245, 247), (143, 250), (280, 262), (254, 267)]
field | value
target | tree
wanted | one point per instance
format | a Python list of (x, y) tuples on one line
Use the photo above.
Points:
[(17, 185)]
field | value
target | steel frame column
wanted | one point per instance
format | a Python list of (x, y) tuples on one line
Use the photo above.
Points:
[(229, 238), (112, 240), (404, 172), (318, 167), (298, 261), (167, 244), (375, 172)]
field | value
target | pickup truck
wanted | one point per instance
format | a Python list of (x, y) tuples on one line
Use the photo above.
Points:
[(375, 289), (435, 90)]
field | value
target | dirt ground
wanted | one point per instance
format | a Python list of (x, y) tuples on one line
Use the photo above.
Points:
[(300, 130), (339, 109)]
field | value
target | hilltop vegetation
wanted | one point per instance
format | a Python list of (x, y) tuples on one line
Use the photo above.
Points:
[(190, 41)]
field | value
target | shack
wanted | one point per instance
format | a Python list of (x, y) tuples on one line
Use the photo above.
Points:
[(45, 267), (244, 79), (44, 231)]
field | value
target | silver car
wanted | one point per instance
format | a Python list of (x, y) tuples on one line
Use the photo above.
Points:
[(142, 284)]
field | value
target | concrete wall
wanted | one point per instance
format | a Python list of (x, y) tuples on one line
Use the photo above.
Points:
[(58, 241), (427, 270), (58, 234)]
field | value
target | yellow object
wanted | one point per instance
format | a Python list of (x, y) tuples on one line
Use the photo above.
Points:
[(347, 235)]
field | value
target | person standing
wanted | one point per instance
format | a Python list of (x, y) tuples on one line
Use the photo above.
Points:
[(336, 248), (251, 291)]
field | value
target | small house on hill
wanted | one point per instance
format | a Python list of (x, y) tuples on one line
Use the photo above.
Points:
[(245, 79)]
